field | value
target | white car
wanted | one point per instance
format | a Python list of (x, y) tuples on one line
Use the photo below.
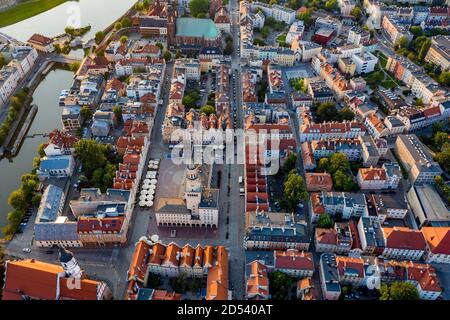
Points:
[(27, 250)]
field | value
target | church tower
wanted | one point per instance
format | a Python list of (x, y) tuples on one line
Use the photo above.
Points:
[(69, 263), (193, 189), (171, 22)]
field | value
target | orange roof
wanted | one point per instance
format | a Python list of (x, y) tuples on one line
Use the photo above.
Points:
[(355, 264), (404, 238), (326, 236), (138, 266), (164, 295), (318, 181), (172, 254), (369, 174), (294, 259), (217, 281), (38, 280), (208, 256), (157, 253), (258, 281), (438, 239), (188, 255), (198, 260)]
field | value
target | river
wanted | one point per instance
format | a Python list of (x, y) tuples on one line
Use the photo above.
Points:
[(50, 23)]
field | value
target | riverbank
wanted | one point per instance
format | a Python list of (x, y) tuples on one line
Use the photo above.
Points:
[(26, 10)]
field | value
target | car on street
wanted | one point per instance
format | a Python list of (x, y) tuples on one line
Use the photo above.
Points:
[(173, 233), (49, 252), (27, 250)]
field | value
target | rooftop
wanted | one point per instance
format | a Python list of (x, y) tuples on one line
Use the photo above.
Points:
[(191, 27)]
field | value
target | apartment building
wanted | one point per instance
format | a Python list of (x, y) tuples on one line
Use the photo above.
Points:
[(416, 159), (403, 243), (439, 52)]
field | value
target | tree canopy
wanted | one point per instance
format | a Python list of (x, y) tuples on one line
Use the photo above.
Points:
[(198, 6), (325, 221), (208, 110), (294, 189), (399, 290)]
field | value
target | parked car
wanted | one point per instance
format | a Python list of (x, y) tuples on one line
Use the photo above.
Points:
[(27, 250), (49, 252)]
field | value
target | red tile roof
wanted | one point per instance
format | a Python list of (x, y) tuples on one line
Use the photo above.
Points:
[(404, 238), (438, 239), (38, 280), (294, 259)]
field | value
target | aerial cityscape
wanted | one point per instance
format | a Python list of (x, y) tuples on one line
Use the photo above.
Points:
[(225, 150)]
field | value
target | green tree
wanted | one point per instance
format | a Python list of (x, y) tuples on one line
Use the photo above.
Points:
[(123, 39), (356, 12), (399, 290), (402, 42), (208, 110), (265, 32), (167, 55), (2, 61), (279, 285), (36, 200), (443, 157), (324, 165), (294, 189), (18, 200), (440, 138), (325, 221), (326, 111), (91, 154), (85, 113), (331, 5), (178, 54), (159, 45), (343, 182), (346, 114), (198, 6), (126, 22), (424, 49), (117, 26), (99, 36), (416, 31), (444, 78), (41, 151), (339, 161), (306, 17), (118, 113), (290, 162)]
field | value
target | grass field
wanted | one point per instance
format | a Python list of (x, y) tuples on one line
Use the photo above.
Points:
[(26, 9)]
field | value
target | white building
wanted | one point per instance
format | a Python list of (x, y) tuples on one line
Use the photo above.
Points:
[(365, 62)]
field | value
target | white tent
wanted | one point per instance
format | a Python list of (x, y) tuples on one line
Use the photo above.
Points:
[(144, 192), (147, 181), (153, 181), (146, 186), (149, 203), (142, 203), (149, 197), (152, 187), (142, 197), (151, 192)]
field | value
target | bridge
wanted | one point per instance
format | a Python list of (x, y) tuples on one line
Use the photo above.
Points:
[(61, 58)]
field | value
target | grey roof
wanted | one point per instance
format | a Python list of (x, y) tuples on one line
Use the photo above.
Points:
[(330, 272), (55, 163), (49, 231), (50, 204), (210, 199)]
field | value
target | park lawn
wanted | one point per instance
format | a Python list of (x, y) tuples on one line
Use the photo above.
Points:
[(388, 84), (27, 10)]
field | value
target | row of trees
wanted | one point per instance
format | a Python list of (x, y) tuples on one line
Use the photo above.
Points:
[(15, 106), (20, 200), (327, 111), (339, 168)]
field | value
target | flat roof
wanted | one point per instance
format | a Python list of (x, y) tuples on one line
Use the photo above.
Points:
[(432, 204), (191, 27)]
